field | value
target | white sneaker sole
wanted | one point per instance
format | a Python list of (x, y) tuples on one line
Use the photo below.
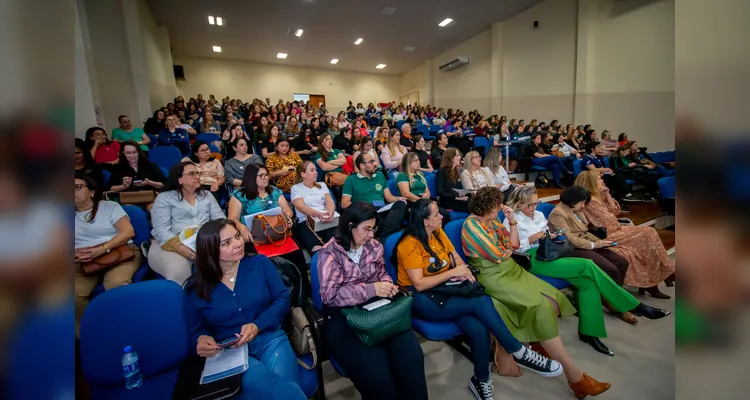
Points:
[(550, 374)]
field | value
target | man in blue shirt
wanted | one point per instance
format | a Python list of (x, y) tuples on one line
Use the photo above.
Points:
[(174, 136)]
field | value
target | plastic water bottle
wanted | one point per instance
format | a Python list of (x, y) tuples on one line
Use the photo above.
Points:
[(131, 368)]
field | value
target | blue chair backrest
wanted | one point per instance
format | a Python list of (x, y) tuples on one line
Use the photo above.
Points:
[(149, 316), (435, 128), (165, 156), (481, 141), (321, 173), (399, 124), (423, 130), (315, 283), (453, 231), (164, 171), (430, 178), (605, 161), (140, 223), (577, 164), (213, 148), (666, 187), (546, 209), (393, 187), (106, 174), (389, 248), (154, 141), (208, 137)]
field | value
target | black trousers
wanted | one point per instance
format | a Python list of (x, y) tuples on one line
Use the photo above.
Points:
[(649, 182), (308, 239), (453, 204), (393, 369), (617, 184), (610, 262), (390, 221)]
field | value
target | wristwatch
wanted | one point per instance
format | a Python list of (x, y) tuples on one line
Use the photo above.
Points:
[(106, 249)]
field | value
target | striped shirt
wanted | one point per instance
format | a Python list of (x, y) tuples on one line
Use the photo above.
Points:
[(489, 242)]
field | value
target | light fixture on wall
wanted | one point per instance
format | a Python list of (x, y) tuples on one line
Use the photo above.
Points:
[(380, 66), (358, 41), (217, 49), (219, 21), (335, 61), (215, 21), (211, 20), (445, 22), (298, 33), (281, 55)]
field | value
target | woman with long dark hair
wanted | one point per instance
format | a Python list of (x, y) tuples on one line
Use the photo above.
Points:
[(447, 179), (100, 227), (227, 280), (351, 270), (135, 172), (209, 168), (428, 265), (104, 151), (155, 124), (176, 215), (84, 162)]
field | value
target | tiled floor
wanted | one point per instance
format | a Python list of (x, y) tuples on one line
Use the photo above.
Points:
[(642, 368)]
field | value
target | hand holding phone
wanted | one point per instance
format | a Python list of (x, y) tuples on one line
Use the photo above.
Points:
[(229, 342)]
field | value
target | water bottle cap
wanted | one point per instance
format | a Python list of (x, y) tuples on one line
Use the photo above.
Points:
[(128, 349)]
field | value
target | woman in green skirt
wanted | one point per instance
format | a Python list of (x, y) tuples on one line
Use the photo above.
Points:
[(528, 305), (591, 282)]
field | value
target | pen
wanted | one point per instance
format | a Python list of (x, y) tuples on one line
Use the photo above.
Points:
[(274, 360)]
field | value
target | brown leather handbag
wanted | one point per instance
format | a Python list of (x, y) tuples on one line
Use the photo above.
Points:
[(335, 179), (115, 256), (503, 363), (273, 229), (139, 197)]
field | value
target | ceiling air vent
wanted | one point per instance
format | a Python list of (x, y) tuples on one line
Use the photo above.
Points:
[(409, 48), (388, 10)]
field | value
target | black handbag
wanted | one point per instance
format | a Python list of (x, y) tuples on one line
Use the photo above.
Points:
[(522, 259), (551, 249), (541, 181), (600, 232)]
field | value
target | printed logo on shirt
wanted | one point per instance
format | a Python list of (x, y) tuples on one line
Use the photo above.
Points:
[(378, 187)]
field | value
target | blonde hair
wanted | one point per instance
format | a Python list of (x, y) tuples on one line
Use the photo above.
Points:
[(522, 195), (302, 167), (492, 160), (468, 158), (589, 180), (405, 161), (391, 134)]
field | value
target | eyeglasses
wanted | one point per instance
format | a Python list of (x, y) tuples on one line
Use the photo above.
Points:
[(191, 173), (80, 186), (534, 205), (368, 229), (263, 176)]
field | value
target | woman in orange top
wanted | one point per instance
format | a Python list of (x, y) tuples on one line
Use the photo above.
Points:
[(429, 266), (281, 165)]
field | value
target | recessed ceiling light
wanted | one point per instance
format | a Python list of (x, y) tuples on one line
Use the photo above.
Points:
[(445, 22), (281, 55), (358, 41), (211, 20), (388, 10), (335, 61), (219, 21), (217, 49), (298, 33), (380, 66), (409, 48)]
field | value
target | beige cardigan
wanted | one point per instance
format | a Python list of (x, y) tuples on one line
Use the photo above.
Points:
[(576, 229), (468, 181)]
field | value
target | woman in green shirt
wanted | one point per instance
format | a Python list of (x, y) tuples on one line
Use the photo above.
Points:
[(412, 184), (126, 132)]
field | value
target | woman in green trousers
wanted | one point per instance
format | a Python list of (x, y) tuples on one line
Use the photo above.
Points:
[(590, 281)]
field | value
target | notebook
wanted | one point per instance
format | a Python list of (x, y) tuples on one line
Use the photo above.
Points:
[(228, 363), (268, 213)]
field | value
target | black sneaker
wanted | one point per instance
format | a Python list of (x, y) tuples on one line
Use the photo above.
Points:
[(538, 363), (482, 390)]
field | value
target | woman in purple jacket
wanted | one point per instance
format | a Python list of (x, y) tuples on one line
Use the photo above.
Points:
[(351, 269)]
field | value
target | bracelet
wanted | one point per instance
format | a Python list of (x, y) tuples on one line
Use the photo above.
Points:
[(514, 223)]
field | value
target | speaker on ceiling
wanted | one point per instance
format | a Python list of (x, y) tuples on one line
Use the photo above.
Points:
[(179, 72)]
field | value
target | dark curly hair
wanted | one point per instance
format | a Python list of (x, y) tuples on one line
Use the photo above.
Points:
[(485, 201)]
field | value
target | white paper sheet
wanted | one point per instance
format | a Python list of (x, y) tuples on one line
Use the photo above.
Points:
[(386, 207), (225, 361), (268, 213)]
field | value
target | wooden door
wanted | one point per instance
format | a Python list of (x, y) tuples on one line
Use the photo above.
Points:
[(317, 100)]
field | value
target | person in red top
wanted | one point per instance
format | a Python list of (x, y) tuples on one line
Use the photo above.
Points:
[(103, 150)]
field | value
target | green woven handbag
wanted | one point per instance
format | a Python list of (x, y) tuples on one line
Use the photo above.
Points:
[(373, 327)]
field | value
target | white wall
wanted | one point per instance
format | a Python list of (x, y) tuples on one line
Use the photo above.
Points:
[(539, 65), (247, 80), (467, 87), (158, 55), (414, 81)]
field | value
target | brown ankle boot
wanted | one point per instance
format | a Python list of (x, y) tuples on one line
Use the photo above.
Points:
[(588, 386)]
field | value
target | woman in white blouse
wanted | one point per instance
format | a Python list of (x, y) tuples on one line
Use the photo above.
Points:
[(474, 177), (392, 153), (312, 199), (493, 163), (591, 282), (179, 211)]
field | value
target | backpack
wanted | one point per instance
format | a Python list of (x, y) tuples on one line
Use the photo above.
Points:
[(292, 278), (541, 181)]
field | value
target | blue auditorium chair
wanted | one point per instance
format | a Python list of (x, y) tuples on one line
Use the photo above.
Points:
[(318, 304), (209, 137), (481, 141), (165, 156)]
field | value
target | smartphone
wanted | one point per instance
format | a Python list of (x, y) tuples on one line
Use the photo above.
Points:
[(138, 181), (451, 283), (229, 342), (613, 244)]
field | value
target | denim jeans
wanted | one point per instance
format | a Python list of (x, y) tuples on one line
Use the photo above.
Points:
[(553, 163), (272, 370), (475, 316)]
